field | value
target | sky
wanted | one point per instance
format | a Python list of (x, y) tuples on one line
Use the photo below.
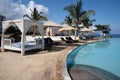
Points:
[(107, 11)]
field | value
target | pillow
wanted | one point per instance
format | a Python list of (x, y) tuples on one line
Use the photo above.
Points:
[(38, 41)]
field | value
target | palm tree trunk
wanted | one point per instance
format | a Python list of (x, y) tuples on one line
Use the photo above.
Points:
[(34, 26), (33, 31), (76, 25)]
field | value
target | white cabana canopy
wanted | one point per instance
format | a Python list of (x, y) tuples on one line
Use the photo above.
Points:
[(51, 27), (67, 28), (50, 23), (87, 30), (23, 26)]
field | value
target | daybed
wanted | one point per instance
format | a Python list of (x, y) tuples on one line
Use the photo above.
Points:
[(28, 45), (23, 45)]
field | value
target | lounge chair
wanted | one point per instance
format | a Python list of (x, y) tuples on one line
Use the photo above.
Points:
[(49, 43), (70, 39), (67, 41), (83, 38)]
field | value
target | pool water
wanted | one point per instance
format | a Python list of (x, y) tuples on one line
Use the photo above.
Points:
[(103, 55)]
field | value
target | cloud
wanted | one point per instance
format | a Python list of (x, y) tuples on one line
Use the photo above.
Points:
[(19, 1), (14, 10)]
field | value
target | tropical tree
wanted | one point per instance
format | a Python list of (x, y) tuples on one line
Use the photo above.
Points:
[(86, 18), (104, 28), (68, 20), (76, 12), (35, 17)]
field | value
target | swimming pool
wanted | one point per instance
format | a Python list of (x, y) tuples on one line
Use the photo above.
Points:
[(104, 55)]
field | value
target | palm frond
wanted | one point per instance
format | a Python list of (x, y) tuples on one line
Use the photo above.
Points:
[(26, 15), (35, 16), (89, 12), (43, 18), (93, 20), (68, 20), (69, 7)]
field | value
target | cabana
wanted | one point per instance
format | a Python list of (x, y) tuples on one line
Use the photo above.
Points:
[(23, 25), (51, 28)]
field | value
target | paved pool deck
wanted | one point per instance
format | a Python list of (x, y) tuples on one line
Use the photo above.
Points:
[(36, 64)]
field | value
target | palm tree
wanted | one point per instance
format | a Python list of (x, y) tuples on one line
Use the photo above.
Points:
[(86, 18), (76, 12), (104, 28), (68, 20), (35, 17)]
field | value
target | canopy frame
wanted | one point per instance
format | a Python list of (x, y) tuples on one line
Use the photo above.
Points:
[(23, 26)]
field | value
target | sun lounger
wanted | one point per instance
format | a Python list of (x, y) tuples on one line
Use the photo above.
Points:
[(67, 41), (49, 43), (70, 39), (82, 38), (48, 40)]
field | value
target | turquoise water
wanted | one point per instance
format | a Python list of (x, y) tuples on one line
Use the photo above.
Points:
[(104, 55)]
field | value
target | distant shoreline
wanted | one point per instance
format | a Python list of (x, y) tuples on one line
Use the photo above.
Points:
[(115, 35)]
